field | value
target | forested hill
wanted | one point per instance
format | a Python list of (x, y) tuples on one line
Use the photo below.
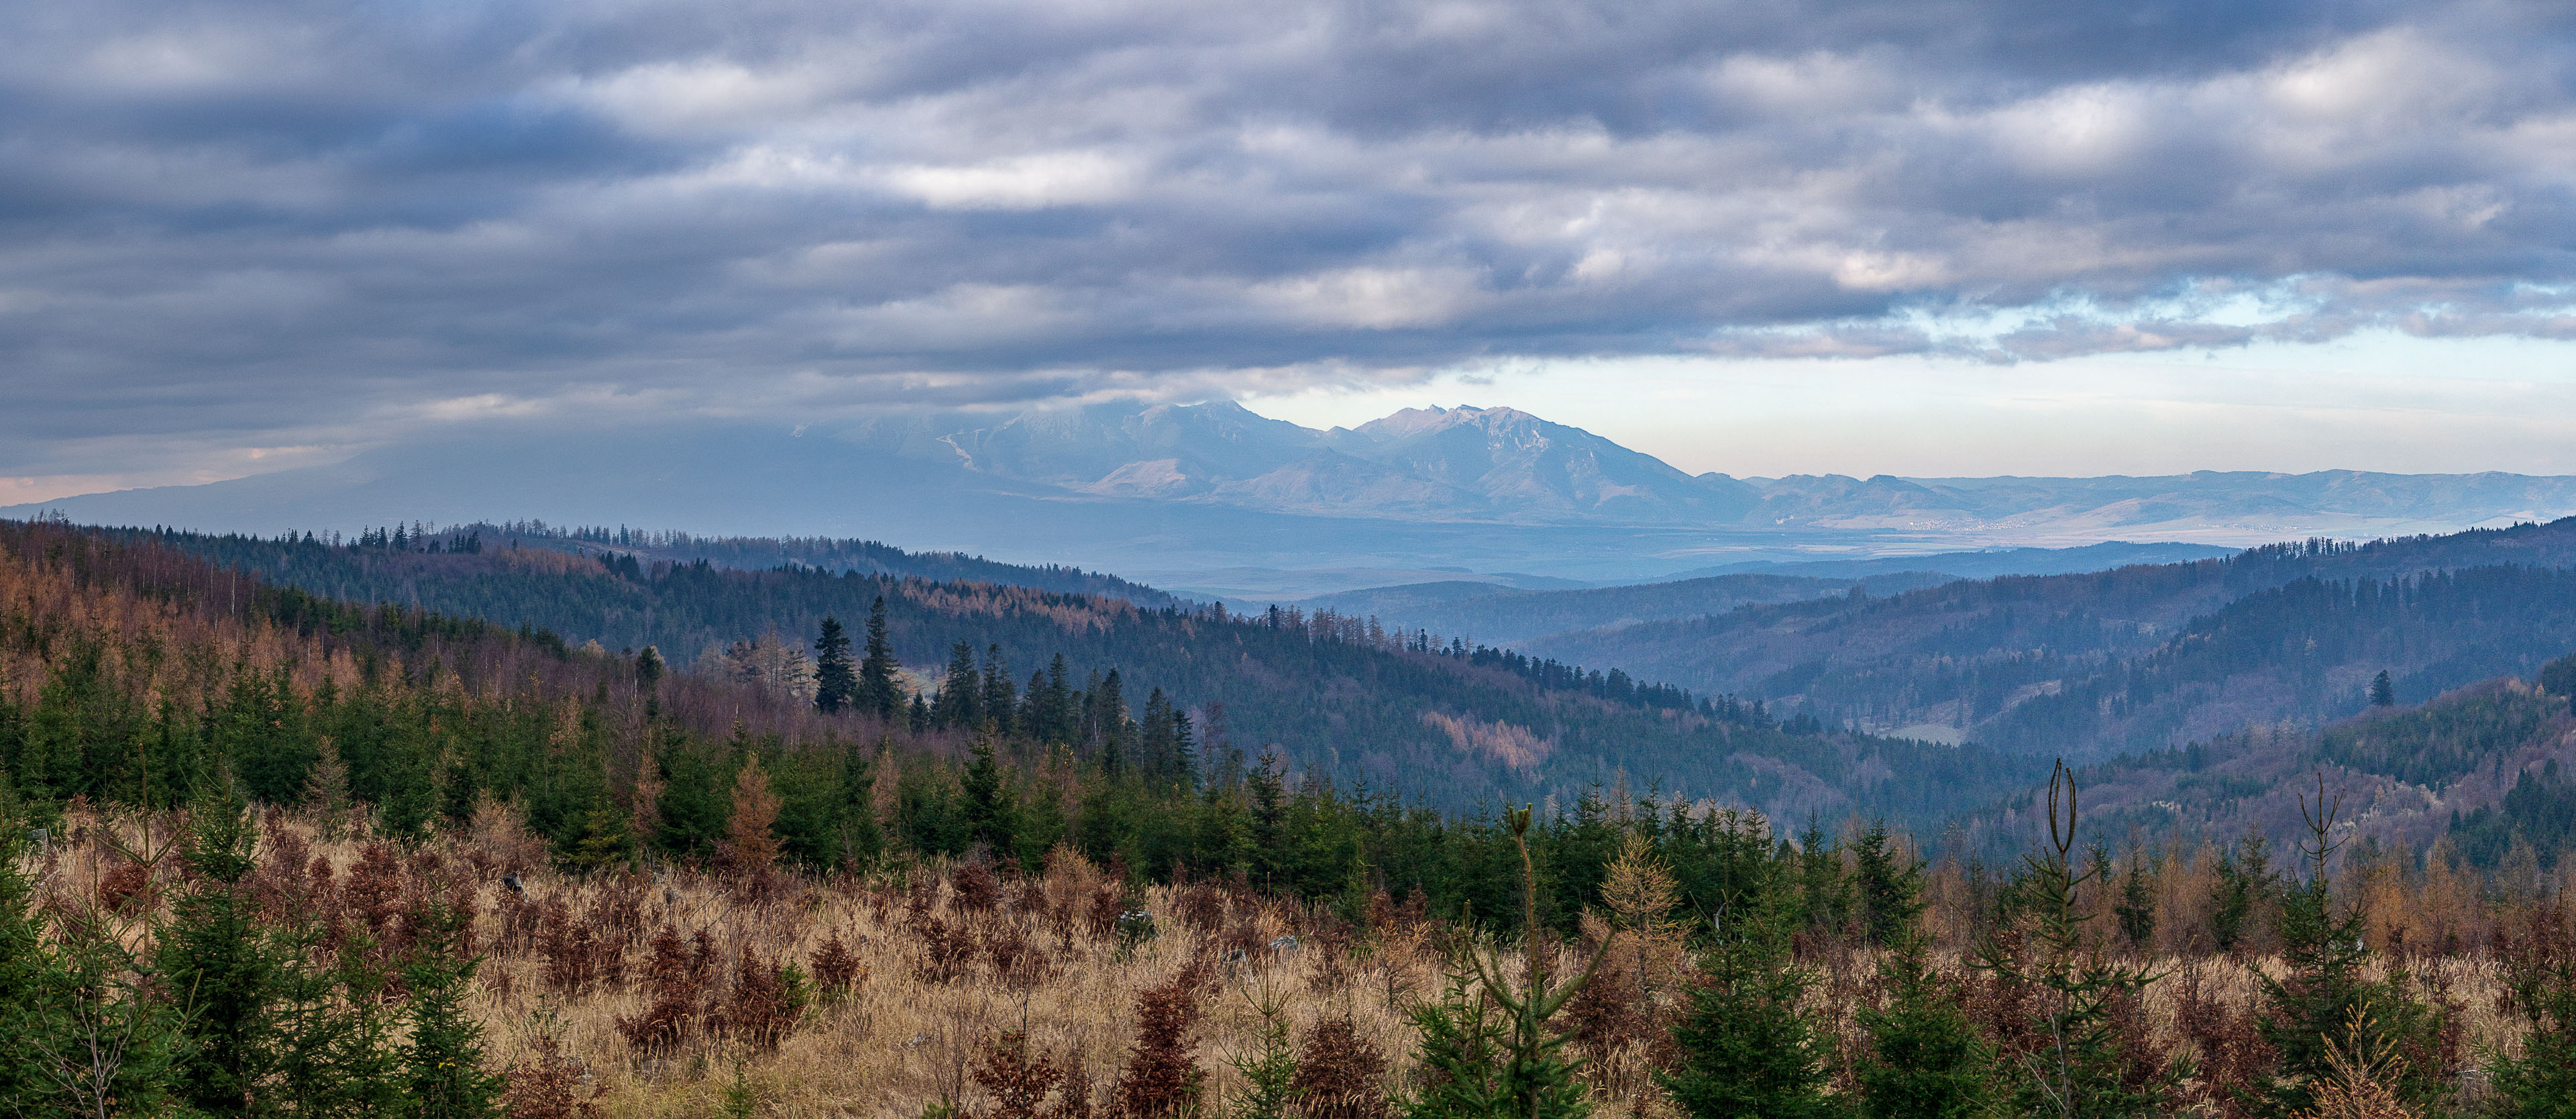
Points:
[(2140, 657), (395, 555), (1404, 712), (1506, 617), (2483, 776)]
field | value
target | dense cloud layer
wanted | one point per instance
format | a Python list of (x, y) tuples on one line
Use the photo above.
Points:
[(263, 222)]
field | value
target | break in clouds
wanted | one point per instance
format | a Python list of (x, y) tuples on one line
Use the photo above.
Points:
[(249, 222)]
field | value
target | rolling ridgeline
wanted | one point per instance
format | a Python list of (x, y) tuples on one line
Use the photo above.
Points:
[(1410, 715), (2141, 658)]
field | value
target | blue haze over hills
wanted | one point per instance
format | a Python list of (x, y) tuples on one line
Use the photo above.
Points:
[(1180, 495)]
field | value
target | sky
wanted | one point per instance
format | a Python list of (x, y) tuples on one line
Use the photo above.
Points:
[(1923, 237)]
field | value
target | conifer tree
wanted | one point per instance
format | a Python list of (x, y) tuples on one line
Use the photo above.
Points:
[(2540, 971), (1824, 892), (1746, 1050), (1164, 748), (1000, 699), (1050, 704), (1889, 883), (1267, 791), (2075, 988), (2245, 883), (443, 1061), (262, 1022), (649, 668), (1108, 716), (988, 805), (836, 683), (326, 790), (961, 692), (879, 692), (1488, 1046), (28, 977), (1185, 750), (1268, 1065), (750, 841), (1926, 1059), (606, 839), (2136, 910), (2326, 1008), (214, 951), (693, 803)]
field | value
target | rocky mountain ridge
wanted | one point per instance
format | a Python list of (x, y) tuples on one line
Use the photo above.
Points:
[(1199, 487)]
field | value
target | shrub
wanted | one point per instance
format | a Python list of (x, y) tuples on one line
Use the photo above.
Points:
[(1339, 1074), (1162, 1076)]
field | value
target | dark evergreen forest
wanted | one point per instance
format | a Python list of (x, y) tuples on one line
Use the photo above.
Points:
[(2139, 658), (1393, 721)]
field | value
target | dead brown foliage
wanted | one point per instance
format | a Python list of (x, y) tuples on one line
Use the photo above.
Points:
[(1020, 1083), (1340, 1075), (547, 1085), (1162, 1076)]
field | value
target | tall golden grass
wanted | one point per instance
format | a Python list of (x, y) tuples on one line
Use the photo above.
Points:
[(943, 962)]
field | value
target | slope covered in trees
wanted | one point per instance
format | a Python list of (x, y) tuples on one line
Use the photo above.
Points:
[(1506, 617), (1168, 690), (386, 558), (2478, 777), (2140, 657)]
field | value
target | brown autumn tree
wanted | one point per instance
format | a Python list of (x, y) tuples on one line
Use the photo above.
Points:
[(749, 844)]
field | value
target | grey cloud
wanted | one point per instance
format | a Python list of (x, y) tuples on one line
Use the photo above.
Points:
[(277, 222)]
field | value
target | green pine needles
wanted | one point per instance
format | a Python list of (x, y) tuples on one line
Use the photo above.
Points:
[(1927, 1060), (1488, 1051), (2540, 970), (2323, 1010), (2079, 1066), (1746, 1050)]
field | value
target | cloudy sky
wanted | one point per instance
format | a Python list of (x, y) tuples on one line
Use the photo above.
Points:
[(1924, 236)]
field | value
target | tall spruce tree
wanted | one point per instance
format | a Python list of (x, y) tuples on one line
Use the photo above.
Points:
[(836, 681), (2245, 884), (1824, 890), (988, 804), (961, 691), (214, 951), (2136, 910), (1000, 698), (879, 692), (1107, 709), (1889, 882)]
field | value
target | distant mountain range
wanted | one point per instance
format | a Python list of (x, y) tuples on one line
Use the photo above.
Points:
[(1204, 487)]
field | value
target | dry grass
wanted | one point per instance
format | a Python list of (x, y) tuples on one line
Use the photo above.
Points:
[(942, 962)]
